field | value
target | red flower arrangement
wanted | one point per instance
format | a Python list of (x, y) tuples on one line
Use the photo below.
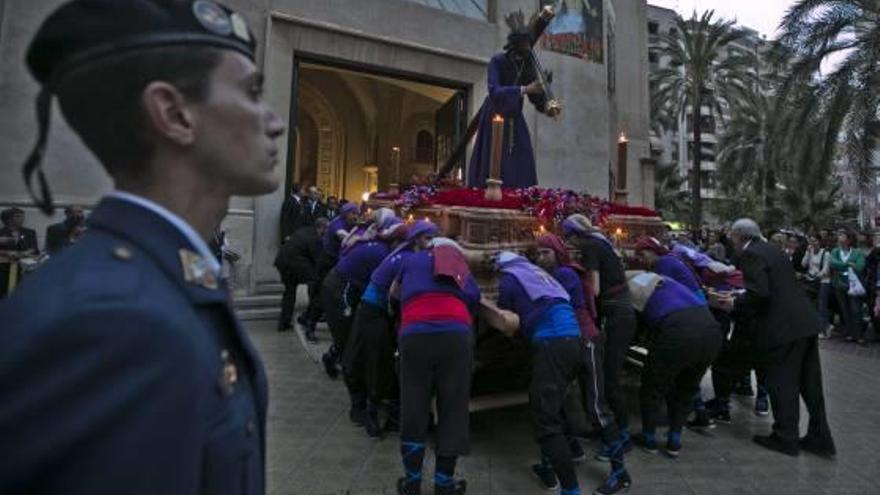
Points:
[(548, 205)]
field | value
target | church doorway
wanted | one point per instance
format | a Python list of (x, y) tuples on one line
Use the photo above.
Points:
[(350, 126)]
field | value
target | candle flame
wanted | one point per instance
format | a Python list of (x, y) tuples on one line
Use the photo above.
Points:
[(619, 231), (427, 219), (365, 196), (497, 118), (622, 138), (395, 148), (542, 229)]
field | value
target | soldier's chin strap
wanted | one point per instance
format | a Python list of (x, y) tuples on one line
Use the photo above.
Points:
[(34, 162)]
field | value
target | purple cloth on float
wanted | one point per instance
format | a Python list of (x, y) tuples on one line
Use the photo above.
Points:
[(670, 297), (699, 259), (357, 265), (671, 266), (504, 98)]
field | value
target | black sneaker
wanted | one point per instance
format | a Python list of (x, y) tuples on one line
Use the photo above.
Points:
[(616, 483), (374, 429), (762, 405), (329, 361), (807, 444), (701, 422), (458, 487), (720, 416), (310, 335), (646, 444), (546, 477), (405, 487), (302, 320), (673, 449), (577, 452)]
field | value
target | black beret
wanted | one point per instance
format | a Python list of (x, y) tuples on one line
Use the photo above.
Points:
[(83, 31)]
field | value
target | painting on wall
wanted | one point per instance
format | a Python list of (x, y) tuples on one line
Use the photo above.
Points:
[(577, 29)]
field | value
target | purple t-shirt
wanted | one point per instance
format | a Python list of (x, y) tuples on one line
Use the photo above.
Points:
[(670, 297), (671, 266), (357, 265)]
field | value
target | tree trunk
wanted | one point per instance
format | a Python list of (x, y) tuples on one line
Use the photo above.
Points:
[(696, 176)]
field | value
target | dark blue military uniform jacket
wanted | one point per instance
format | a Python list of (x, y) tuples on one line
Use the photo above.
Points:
[(117, 376)]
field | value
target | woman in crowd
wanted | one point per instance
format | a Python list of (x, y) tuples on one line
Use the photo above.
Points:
[(848, 261), (817, 263)]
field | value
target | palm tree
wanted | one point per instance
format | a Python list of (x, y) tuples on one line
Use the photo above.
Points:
[(671, 199), (701, 74), (848, 96)]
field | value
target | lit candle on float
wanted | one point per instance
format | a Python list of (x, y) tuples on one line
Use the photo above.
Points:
[(497, 144)]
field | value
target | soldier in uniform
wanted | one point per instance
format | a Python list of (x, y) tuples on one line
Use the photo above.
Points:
[(123, 368)]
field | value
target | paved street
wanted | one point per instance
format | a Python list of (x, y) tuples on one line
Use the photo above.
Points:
[(314, 449)]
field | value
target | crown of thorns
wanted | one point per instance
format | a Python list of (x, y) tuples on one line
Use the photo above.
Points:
[(516, 21)]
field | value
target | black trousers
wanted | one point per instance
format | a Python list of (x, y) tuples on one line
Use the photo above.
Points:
[(325, 266), (678, 356), (339, 301), (288, 301), (619, 329), (368, 360), (591, 381), (441, 365), (555, 364), (794, 371)]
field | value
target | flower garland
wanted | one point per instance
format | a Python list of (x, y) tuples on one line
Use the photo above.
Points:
[(548, 205)]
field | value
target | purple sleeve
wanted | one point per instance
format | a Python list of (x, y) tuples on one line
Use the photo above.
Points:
[(505, 99), (676, 270), (384, 275), (472, 294), (572, 284)]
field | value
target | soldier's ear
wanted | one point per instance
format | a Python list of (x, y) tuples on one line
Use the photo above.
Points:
[(168, 114)]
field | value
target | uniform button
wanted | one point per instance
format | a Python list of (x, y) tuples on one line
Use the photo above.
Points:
[(251, 428)]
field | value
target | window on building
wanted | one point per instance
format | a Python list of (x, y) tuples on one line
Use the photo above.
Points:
[(653, 57), (673, 31), (424, 147), (476, 9), (653, 28), (707, 179)]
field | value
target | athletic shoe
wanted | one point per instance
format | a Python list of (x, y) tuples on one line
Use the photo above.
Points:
[(701, 422), (577, 452), (673, 449), (762, 406), (458, 487), (720, 416), (546, 477), (302, 320), (773, 442), (649, 445), (617, 482), (310, 335)]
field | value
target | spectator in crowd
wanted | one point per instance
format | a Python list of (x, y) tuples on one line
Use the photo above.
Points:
[(797, 248), (847, 262), (332, 207), (817, 263), (293, 212), (315, 204), (716, 249), (14, 236), (297, 263), (785, 327), (780, 240), (63, 234)]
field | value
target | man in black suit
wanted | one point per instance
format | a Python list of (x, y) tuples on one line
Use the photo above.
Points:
[(784, 328), (293, 212), (14, 236), (297, 263), (62, 234), (331, 207)]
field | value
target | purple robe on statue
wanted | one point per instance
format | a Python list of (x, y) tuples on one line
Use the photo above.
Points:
[(517, 158)]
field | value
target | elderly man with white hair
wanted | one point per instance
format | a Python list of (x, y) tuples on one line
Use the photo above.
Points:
[(785, 328)]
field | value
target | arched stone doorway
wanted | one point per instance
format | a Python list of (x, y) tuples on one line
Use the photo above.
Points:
[(321, 133)]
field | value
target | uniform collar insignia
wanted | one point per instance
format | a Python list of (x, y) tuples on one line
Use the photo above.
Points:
[(196, 269)]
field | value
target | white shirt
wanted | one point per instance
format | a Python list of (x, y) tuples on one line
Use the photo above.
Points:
[(180, 224)]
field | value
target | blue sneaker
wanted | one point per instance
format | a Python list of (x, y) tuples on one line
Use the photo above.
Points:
[(762, 405), (617, 482)]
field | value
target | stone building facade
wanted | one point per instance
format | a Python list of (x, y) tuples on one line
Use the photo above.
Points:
[(354, 78)]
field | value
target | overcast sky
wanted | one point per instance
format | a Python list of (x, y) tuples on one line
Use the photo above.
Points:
[(760, 15)]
